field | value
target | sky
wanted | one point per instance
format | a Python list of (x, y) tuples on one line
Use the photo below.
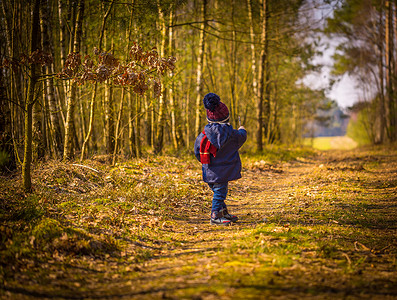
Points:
[(344, 92)]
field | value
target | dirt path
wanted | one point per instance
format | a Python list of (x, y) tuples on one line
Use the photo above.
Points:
[(319, 228)]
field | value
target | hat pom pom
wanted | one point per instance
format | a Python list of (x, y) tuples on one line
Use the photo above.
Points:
[(211, 101)]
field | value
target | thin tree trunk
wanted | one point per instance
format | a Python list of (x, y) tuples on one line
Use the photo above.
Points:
[(69, 129), (137, 133), (162, 99), (390, 67), (55, 126), (91, 122), (109, 118), (381, 124), (200, 61), (131, 136), (393, 104), (94, 91), (118, 126), (38, 136), (62, 39), (148, 122), (34, 73), (388, 62), (262, 80), (233, 71), (253, 54), (171, 90)]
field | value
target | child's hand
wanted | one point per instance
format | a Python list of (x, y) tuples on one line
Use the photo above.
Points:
[(242, 127)]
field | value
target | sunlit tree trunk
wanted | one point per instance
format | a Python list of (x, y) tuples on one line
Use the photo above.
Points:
[(55, 125), (162, 99), (118, 128), (253, 52), (200, 66), (171, 89), (131, 136), (137, 131), (233, 70), (62, 36), (94, 91), (262, 105), (34, 73), (68, 152), (109, 118)]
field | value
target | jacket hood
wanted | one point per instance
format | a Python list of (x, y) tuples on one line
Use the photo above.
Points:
[(218, 133)]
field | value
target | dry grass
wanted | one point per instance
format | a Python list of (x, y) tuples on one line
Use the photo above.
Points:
[(320, 226)]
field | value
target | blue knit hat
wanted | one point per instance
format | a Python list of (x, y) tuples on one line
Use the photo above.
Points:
[(216, 110)]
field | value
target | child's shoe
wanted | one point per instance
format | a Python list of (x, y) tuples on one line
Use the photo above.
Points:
[(218, 219), (228, 216)]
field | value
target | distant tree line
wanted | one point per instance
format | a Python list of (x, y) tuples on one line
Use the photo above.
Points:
[(368, 30)]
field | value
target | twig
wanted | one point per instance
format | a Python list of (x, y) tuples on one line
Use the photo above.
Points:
[(363, 246), (347, 257), (86, 167)]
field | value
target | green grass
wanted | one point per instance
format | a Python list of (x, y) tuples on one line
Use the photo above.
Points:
[(331, 143)]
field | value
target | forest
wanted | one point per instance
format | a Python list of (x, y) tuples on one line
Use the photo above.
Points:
[(84, 78), (101, 102)]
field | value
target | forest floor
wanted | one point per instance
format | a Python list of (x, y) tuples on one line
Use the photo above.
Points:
[(317, 225)]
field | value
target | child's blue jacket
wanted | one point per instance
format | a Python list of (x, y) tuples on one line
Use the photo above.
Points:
[(226, 166)]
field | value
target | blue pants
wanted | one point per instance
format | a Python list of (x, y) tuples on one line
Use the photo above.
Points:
[(220, 193)]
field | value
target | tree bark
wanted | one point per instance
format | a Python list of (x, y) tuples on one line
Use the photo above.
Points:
[(389, 53), (55, 125), (253, 53), (118, 126), (262, 103), (171, 89), (109, 118), (162, 99), (94, 91), (34, 73), (381, 123), (68, 152), (200, 62)]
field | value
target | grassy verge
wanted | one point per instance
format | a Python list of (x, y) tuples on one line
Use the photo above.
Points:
[(310, 225)]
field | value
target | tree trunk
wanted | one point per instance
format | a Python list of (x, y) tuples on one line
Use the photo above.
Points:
[(68, 152), (137, 134), (262, 102), (118, 126), (131, 136), (91, 122), (253, 54), (38, 135), (381, 123), (171, 90), (233, 71), (55, 125), (62, 39), (6, 141), (34, 73), (109, 118), (94, 91), (162, 99), (200, 62), (389, 52)]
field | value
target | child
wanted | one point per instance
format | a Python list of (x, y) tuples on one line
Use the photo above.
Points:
[(217, 149)]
